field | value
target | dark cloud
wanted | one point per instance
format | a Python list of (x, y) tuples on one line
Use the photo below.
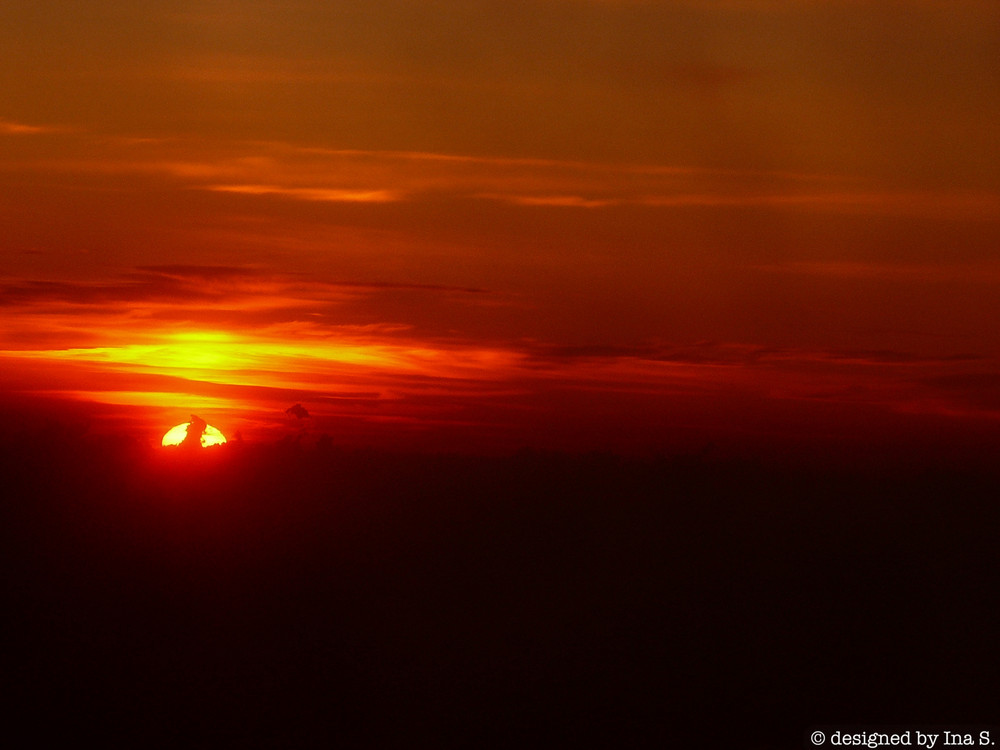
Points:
[(192, 283), (135, 288), (711, 351), (706, 352), (886, 356), (981, 389), (595, 350), (378, 285)]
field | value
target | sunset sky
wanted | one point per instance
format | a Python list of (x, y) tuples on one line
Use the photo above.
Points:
[(570, 224)]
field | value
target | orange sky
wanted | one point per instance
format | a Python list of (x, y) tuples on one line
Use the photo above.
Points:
[(564, 223)]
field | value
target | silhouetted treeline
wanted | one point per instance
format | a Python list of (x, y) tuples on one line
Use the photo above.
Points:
[(266, 596)]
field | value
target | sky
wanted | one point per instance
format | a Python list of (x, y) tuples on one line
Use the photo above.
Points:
[(564, 224)]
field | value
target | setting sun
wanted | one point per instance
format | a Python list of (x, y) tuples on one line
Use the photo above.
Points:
[(177, 435)]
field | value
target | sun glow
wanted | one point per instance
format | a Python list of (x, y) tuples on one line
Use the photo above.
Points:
[(270, 358), (178, 434)]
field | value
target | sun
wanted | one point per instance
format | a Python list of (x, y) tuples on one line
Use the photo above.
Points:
[(177, 435)]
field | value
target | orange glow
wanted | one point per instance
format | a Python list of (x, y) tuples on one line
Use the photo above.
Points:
[(616, 236), (242, 359), (311, 194)]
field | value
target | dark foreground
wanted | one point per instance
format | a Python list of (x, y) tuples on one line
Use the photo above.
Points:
[(266, 598)]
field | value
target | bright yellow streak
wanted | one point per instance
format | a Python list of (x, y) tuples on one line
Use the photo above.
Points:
[(176, 436), (243, 360), (127, 368)]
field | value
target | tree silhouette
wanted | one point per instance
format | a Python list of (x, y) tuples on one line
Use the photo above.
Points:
[(298, 411), (196, 428)]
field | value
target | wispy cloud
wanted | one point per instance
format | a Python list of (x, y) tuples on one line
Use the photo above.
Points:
[(351, 175), (317, 174), (229, 295), (972, 206), (9, 127), (332, 195), (564, 201)]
